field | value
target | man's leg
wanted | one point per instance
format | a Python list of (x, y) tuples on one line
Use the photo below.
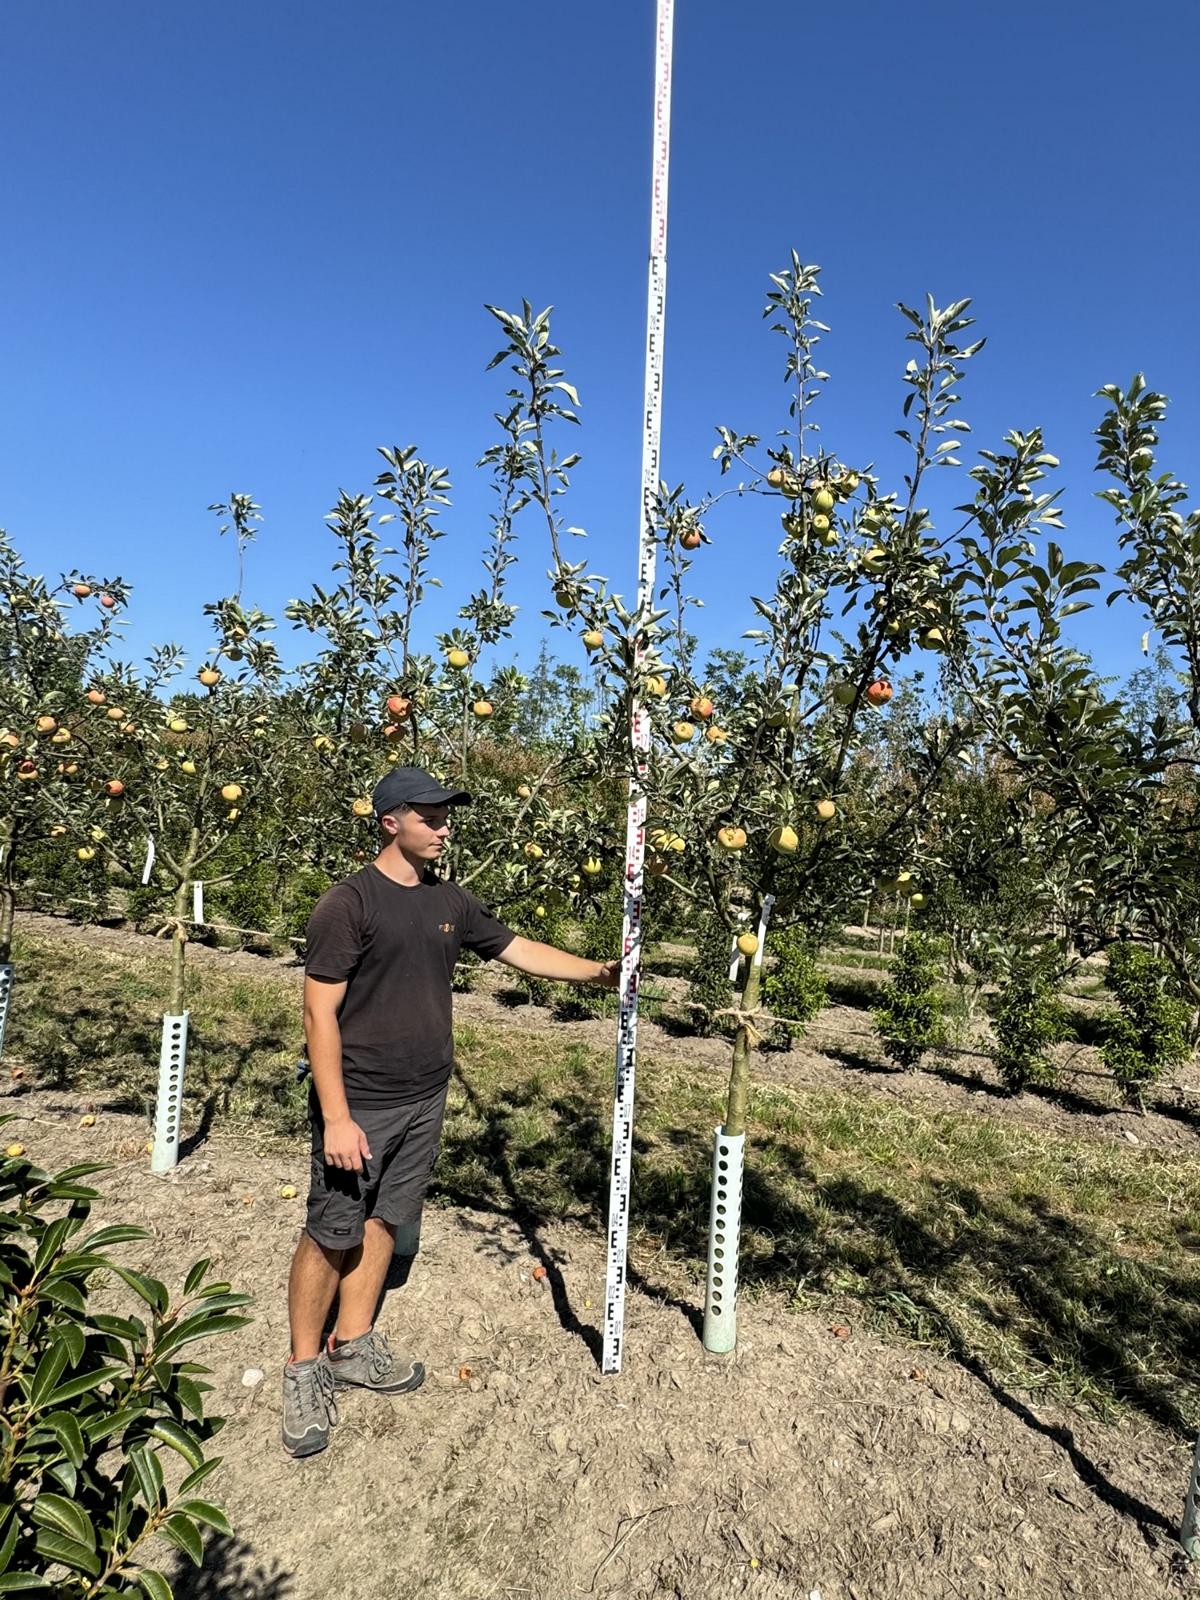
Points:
[(363, 1272), (311, 1288)]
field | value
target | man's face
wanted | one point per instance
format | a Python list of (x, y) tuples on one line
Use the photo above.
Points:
[(420, 831)]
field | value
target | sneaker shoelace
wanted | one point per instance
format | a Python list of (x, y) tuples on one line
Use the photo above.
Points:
[(379, 1355), (316, 1390)]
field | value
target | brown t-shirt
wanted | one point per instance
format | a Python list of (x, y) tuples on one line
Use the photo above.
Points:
[(395, 946)]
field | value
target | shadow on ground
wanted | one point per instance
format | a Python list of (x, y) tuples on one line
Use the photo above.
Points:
[(231, 1571), (968, 1270)]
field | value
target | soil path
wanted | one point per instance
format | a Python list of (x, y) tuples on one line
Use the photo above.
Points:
[(818, 1462)]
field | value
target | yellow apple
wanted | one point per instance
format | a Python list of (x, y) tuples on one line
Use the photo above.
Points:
[(656, 686), (784, 840), (731, 838), (822, 501), (85, 852), (682, 732), (178, 725), (826, 810), (458, 659), (593, 639), (209, 677), (231, 792), (747, 943), (534, 851), (592, 867), (361, 807)]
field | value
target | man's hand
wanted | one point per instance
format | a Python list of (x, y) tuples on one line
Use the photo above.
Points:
[(609, 976), (346, 1145)]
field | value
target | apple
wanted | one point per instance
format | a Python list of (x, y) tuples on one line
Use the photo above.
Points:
[(783, 840), (189, 767), (822, 501), (592, 867), (780, 478), (932, 639), (731, 838), (656, 686), (230, 792), (61, 736), (843, 694), (748, 943), (232, 814), (10, 739), (70, 768), (534, 851), (399, 705), (114, 787), (322, 741), (85, 852), (287, 1191), (57, 831), (14, 1151), (458, 659), (161, 764), (821, 526), (115, 714), (691, 538), (903, 882), (361, 807), (96, 835), (482, 708), (209, 677), (524, 792), (683, 732), (879, 692), (664, 839), (917, 900), (656, 866), (391, 730), (107, 601), (777, 717), (129, 727), (874, 558), (81, 590), (829, 537), (27, 770), (593, 639), (46, 724), (792, 525), (826, 810), (539, 912), (178, 725), (715, 735), (701, 706)]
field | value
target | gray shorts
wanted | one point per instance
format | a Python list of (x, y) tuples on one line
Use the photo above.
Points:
[(404, 1145)]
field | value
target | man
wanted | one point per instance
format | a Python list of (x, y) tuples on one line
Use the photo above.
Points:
[(381, 949)]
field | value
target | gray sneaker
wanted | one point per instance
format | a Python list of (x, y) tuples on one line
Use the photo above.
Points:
[(308, 1405), (369, 1363)]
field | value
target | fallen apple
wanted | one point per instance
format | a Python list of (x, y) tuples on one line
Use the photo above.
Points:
[(524, 792), (189, 767), (85, 852), (14, 1151)]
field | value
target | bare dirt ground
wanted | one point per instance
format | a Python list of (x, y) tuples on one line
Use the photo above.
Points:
[(819, 1461)]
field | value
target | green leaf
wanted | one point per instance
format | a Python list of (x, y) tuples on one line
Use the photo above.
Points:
[(56, 1547), (150, 1289), (196, 1276), (155, 1585), (195, 1479), (64, 1293), (67, 1431), (116, 1233), (53, 1511), (9, 1543), (148, 1471), (204, 1511), (179, 1439), (183, 1534), (199, 1326), (52, 1242), (23, 1583), (84, 1382), (49, 1370)]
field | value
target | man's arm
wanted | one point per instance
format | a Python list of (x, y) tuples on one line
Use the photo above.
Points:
[(345, 1142), (544, 961)]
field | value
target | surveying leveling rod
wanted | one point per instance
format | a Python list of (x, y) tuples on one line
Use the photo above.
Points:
[(635, 832)]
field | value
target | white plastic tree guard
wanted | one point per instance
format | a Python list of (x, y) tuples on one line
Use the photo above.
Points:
[(1189, 1533), (6, 988), (168, 1116), (724, 1236)]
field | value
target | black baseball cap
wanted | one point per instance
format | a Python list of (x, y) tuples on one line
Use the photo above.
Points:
[(413, 786)]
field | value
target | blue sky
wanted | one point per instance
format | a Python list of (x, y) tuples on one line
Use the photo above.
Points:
[(248, 243)]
